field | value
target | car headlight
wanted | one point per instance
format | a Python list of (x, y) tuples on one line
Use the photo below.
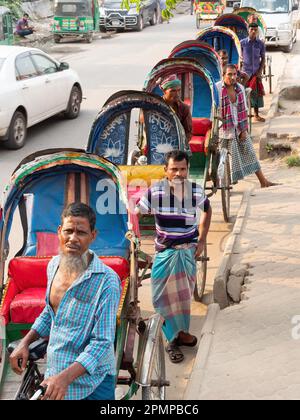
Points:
[(284, 26)]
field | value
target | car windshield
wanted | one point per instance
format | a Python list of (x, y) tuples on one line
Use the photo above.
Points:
[(72, 8), (1, 63), (268, 6)]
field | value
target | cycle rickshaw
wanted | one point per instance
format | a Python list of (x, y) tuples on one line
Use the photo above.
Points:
[(235, 23), (208, 10), (42, 185), (223, 38)]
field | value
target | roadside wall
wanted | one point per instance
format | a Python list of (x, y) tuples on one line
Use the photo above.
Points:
[(38, 9)]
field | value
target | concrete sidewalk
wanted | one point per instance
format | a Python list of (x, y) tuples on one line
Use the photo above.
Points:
[(253, 351)]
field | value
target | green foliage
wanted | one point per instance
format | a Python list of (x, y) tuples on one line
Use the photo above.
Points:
[(166, 14), (14, 6), (293, 161)]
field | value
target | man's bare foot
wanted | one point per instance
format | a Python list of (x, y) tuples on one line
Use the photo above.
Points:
[(268, 184), (258, 118)]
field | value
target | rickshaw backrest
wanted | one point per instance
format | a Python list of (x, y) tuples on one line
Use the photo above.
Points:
[(201, 126), (27, 281)]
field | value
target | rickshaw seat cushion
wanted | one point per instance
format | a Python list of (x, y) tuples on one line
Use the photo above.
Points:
[(27, 305), (142, 176), (201, 126), (25, 294), (197, 144)]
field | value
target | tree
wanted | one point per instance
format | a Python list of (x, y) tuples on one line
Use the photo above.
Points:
[(166, 13), (14, 6)]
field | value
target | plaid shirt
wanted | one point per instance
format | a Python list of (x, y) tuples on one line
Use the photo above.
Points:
[(83, 329)]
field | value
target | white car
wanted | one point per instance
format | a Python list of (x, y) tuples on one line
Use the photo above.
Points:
[(33, 87)]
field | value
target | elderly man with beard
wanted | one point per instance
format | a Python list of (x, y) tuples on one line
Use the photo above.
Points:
[(181, 232), (79, 317)]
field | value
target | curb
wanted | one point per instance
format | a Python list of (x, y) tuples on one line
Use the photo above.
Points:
[(193, 388), (264, 139), (221, 277), (195, 382)]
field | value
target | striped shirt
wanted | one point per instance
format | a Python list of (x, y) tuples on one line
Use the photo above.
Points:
[(176, 221), (83, 329)]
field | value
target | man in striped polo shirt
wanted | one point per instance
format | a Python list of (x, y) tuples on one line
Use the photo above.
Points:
[(182, 218)]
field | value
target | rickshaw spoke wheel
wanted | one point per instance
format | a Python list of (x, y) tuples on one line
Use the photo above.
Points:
[(157, 389), (201, 271), (225, 192)]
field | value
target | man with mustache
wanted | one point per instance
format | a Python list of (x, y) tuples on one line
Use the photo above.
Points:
[(234, 130), (79, 317), (181, 232)]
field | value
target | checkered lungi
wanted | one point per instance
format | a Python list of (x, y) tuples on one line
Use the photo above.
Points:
[(243, 157), (173, 282)]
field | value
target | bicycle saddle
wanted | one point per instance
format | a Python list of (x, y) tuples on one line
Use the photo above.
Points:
[(37, 349)]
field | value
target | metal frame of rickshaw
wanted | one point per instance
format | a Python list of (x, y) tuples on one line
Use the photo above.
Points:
[(79, 26), (223, 37), (244, 12), (208, 58), (147, 370)]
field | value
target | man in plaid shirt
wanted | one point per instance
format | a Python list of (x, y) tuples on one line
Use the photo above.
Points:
[(79, 317)]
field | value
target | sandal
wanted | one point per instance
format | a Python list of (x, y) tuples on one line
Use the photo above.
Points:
[(175, 354), (183, 343)]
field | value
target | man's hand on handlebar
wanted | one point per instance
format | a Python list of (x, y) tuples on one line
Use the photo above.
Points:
[(200, 248), (55, 387), (19, 357)]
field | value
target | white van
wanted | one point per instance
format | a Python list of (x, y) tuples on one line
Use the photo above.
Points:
[(281, 17)]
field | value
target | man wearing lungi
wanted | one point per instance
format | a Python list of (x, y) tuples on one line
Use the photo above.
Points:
[(182, 219), (234, 131), (254, 58)]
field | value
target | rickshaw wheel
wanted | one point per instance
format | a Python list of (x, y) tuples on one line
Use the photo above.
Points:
[(201, 271), (56, 39), (157, 374), (225, 192), (198, 21)]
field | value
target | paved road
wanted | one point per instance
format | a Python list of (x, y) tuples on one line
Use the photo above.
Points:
[(114, 63)]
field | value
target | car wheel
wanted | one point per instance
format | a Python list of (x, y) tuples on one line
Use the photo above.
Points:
[(74, 103), (102, 28), (17, 131), (153, 20), (289, 48), (89, 38), (140, 24), (57, 39)]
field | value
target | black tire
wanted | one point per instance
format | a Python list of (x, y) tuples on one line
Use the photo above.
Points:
[(289, 48), (158, 373), (270, 78), (201, 267), (225, 192), (102, 29), (74, 103), (154, 19), (140, 23), (17, 131), (89, 38), (56, 39)]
